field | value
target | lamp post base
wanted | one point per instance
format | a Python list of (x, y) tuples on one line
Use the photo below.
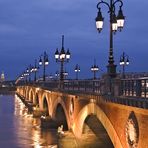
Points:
[(111, 70)]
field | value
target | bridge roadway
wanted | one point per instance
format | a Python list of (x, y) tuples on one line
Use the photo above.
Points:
[(114, 121)]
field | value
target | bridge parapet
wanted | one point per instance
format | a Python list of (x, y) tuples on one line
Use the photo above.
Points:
[(129, 91), (136, 87)]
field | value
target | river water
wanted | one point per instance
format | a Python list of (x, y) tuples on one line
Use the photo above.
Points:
[(18, 129)]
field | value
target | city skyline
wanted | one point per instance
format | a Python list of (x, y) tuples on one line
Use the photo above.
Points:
[(28, 28)]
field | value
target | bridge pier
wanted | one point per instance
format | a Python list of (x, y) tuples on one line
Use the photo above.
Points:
[(48, 123), (27, 103), (37, 113)]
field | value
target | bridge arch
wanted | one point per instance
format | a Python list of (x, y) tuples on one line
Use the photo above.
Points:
[(45, 107), (45, 104), (59, 107), (93, 109), (27, 93), (31, 95), (36, 99), (23, 91)]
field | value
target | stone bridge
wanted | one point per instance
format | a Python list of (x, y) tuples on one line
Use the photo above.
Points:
[(114, 124)]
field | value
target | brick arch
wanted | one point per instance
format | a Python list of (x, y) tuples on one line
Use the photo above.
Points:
[(101, 116), (18, 90), (54, 108), (21, 90), (24, 91), (31, 95), (41, 102), (36, 99), (27, 93)]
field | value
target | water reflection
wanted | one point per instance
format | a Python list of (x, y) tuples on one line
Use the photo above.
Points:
[(24, 130)]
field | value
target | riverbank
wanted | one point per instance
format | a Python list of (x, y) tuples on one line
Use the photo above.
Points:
[(7, 90)]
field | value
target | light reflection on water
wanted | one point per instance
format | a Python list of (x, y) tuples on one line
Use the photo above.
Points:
[(18, 129)]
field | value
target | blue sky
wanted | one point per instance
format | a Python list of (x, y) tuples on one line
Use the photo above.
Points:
[(30, 27)]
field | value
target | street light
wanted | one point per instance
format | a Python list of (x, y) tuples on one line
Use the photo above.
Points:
[(94, 69), (50, 76), (115, 23), (29, 71), (62, 57), (65, 74), (35, 69), (20, 78), (44, 61), (57, 75), (26, 74), (77, 70), (124, 61)]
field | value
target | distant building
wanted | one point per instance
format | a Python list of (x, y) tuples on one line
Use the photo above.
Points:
[(2, 78), (131, 75)]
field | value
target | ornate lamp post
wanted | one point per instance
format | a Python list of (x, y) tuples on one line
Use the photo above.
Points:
[(65, 74), (50, 76), (22, 77), (94, 69), (26, 74), (62, 57), (77, 70), (35, 69), (115, 23), (124, 61), (44, 61), (29, 70), (57, 75)]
